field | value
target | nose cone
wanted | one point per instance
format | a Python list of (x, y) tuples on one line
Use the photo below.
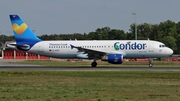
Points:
[(170, 51)]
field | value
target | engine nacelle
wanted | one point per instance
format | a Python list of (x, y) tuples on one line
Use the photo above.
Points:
[(113, 58)]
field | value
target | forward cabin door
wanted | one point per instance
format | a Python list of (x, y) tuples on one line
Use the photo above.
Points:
[(150, 46)]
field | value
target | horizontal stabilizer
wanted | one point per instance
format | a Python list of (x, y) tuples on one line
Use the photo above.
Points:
[(24, 47)]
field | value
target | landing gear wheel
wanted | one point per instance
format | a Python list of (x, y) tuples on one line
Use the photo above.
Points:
[(150, 62), (150, 65), (94, 64)]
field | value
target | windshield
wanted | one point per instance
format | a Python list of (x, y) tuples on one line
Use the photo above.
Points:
[(161, 46)]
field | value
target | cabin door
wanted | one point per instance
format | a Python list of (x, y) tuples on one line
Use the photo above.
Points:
[(150, 46)]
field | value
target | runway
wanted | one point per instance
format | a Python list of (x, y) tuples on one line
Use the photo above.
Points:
[(83, 68), (5, 65)]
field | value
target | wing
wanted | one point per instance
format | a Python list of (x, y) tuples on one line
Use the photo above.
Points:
[(92, 54)]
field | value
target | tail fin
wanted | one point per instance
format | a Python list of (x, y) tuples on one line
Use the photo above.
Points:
[(23, 34)]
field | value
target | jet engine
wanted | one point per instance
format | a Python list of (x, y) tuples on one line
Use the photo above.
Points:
[(113, 58)]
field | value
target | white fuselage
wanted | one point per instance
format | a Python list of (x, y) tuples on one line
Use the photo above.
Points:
[(128, 48)]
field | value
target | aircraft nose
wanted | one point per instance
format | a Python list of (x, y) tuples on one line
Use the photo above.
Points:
[(170, 51)]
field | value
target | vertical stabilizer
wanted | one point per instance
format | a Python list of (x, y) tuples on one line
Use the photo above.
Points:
[(23, 34)]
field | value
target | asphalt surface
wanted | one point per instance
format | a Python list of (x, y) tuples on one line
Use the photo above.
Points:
[(52, 68), (5, 65)]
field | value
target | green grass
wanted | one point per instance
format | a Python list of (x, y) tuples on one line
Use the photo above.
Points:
[(90, 85), (100, 63)]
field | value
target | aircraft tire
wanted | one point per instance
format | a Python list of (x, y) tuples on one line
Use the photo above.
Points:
[(94, 64), (150, 65)]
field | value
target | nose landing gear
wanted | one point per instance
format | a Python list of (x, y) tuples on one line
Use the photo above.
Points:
[(150, 62)]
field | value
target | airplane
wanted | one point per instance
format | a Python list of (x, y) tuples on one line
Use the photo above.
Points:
[(112, 51)]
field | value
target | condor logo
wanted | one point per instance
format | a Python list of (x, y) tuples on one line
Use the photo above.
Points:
[(129, 46)]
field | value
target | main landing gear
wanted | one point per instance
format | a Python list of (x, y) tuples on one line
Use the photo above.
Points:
[(150, 62), (94, 64)]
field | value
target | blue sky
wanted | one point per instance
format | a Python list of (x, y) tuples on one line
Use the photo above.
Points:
[(84, 16)]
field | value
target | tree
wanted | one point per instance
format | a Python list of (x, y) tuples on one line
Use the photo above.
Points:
[(115, 34), (167, 28), (92, 36), (170, 42), (154, 32), (103, 33), (144, 31), (178, 45)]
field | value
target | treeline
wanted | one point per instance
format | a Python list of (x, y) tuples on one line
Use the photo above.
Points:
[(167, 32)]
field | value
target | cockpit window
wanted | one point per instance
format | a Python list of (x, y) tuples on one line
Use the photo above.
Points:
[(164, 45), (161, 46)]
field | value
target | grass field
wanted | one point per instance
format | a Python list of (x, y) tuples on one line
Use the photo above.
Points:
[(89, 86)]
